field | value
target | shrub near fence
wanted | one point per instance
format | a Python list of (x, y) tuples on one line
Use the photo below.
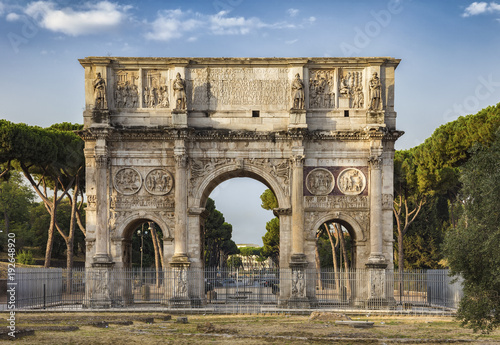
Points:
[(223, 289)]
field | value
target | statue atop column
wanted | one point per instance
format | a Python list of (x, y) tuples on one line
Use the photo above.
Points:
[(297, 93), (179, 93), (100, 101), (375, 93)]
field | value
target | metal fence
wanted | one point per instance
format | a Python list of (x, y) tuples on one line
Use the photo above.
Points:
[(237, 290)]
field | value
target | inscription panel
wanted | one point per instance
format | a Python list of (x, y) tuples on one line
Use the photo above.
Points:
[(236, 86)]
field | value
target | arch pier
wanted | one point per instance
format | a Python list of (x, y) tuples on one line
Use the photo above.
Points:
[(161, 133)]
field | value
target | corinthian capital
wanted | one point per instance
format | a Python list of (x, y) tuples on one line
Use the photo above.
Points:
[(375, 162), (297, 161), (181, 160), (101, 161)]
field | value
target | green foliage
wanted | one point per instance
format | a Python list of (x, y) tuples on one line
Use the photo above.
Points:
[(431, 171), (472, 248), (25, 257), (234, 262), (269, 200), (217, 237), (16, 200), (249, 251), (271, 240)]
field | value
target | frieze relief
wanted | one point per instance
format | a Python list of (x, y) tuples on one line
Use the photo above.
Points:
[(320, 182), (159, 182), (336, 202), (126, 92), (142, 202), (321, 88), (127, 181), (351, 181)]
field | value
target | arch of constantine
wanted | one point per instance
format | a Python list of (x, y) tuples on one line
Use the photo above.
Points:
[(161, 133)]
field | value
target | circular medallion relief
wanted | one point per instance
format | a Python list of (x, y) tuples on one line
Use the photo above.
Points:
[(320, 182), (127, 181), (159, 182), (351, 181)]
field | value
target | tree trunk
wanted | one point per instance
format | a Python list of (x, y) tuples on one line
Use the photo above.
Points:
[(340, 233), (50, 238), (155, 246), (334, 255), (318, 261)]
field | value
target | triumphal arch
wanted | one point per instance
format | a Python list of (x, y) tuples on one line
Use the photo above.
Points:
[(161, 133)]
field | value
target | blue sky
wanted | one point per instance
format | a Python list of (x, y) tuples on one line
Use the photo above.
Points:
[(450, 53)]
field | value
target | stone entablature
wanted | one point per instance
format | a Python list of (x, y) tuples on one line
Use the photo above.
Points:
[(242, 93)]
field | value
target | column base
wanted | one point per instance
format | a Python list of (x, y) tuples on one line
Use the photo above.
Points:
[(180, 260), (298, 260), (376, 261)]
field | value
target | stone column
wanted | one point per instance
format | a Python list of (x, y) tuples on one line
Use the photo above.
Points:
[(376, 230), (298, 206), (177, 274), (180, 231), (101, 175), (99, 286), (378, 294)]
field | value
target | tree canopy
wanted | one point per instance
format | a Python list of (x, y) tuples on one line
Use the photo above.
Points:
[(472, 248)]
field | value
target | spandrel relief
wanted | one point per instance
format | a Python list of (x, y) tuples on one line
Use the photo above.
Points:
[(321, 89), (320, 182), (127, 181), (155, 90), (126, 93), (159, 182), (351, 181), (351, 89)]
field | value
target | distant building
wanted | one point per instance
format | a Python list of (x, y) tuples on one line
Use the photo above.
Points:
[(252, 262)]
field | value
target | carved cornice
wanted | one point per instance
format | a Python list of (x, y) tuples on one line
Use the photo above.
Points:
[(168, 133)]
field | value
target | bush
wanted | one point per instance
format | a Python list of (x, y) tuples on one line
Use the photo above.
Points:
[(25, 257)]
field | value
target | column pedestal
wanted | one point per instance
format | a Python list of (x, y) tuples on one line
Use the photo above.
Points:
[(100, 285), (380, 291), (179, 118), (177, 292)]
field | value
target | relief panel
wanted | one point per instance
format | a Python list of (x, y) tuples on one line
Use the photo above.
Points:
[(321, 88), (126, 93)]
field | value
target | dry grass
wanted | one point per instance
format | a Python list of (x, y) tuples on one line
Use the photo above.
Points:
[(52, 328)]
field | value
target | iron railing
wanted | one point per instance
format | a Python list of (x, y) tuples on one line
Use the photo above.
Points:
[(236, 290)]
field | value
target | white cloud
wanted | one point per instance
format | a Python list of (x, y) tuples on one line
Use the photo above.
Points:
[(220, 24), (2, 8), (481, 7), (90, 19), (291, 41), (172, 24), (12, 17), (292, 12)]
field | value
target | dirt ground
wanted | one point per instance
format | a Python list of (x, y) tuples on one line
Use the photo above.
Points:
[(160, 328)]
